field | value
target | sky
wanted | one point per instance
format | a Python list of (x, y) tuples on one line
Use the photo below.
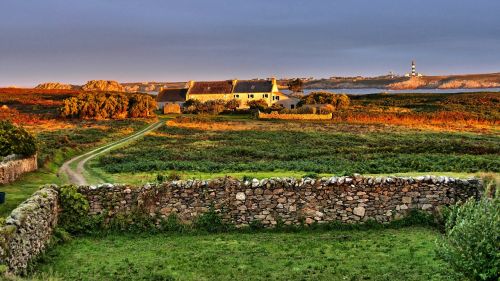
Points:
[(145, 40)]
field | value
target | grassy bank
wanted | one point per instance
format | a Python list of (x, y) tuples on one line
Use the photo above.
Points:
[(402, 254)]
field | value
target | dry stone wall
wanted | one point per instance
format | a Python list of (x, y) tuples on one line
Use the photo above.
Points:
[(291, 201), (28, 229), (12, 168)]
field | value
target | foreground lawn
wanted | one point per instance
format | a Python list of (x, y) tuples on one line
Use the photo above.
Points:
[(403, 254)]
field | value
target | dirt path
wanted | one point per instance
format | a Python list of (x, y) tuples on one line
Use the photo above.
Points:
[(77, 177)]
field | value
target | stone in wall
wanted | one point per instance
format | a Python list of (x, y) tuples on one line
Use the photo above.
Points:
[(287, 200), (12, 168), (28, 230)]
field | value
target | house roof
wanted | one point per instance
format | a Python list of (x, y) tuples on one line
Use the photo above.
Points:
[(212, 87), (253, 86), (171, 95)]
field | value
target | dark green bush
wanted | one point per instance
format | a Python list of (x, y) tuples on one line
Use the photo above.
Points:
[(16, 140), (211, 221), (472, 241), (75, 208)]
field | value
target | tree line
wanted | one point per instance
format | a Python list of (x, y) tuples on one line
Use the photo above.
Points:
[(108, 106)]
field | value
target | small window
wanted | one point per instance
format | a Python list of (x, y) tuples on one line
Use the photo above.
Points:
[(265, 95), (292, 106), (250, 96), (276, 97), (236, 96)]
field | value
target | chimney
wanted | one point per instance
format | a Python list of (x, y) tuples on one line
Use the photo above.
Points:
[(273, 80)]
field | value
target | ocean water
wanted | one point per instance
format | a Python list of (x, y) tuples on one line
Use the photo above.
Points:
[(377, 91)]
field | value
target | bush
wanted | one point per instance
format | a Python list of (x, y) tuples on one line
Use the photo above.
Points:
[(16, 140), (75, 208), (209, 107), (337, 101), (472, 241), (210, 221), (108, 106), (258, 104)]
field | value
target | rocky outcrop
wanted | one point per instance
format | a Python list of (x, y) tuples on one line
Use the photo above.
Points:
[(103, 85), (468, 84), (54, 85), (13, 167), (291, 201), (28, 230), (410, 84)]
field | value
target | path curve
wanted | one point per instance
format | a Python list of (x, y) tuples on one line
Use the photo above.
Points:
[(77, 177)]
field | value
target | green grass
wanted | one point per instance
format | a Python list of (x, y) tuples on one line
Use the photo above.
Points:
[(96, 175), (305, 150), (402, 254)]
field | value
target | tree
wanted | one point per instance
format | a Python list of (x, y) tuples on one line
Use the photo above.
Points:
[(296, 85), (16, 140)]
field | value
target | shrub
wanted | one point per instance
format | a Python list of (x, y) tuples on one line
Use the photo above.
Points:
[(75, 208), (233, 104), (260, 104), (337, 101), (472, 240), (16, 140), (108, 106), (210, 221)]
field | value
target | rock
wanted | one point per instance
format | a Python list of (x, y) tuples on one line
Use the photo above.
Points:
[(406, 200), (426, 206), (359, 211), (54, 86), (241, 196), (103, 85)]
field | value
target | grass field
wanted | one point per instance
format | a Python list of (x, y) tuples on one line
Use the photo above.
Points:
[(402, 254), (197, 147)]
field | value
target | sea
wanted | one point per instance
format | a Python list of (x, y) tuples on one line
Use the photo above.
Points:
[(367, 91)]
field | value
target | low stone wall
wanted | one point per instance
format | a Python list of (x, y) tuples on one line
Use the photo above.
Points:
[(12, 168), (344, 199), (28, 230), (295, 116)]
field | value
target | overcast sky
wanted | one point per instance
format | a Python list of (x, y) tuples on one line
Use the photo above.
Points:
[(125, 40)]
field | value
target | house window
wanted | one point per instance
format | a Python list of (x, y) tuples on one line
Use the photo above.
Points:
[(236, 96), (265, 95), (250, 96), (276, 98), (292, 106)]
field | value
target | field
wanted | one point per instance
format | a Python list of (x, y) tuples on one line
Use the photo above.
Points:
[(217, 146), (403, 254), (454, 135)]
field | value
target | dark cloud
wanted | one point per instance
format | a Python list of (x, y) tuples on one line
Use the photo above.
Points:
[(73, 41)]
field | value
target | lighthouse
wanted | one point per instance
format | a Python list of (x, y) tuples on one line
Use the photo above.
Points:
[(413, 72)]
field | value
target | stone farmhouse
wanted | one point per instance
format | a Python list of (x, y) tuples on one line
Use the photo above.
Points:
[(242, 90)]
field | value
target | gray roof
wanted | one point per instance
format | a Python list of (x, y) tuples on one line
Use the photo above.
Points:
[(253, 86)]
